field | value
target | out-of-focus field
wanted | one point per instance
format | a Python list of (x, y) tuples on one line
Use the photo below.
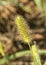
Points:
[(9, 35)]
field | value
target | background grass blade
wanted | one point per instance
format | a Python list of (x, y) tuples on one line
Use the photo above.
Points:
[(1, 49), (38, 3), (44, 63), (41, 4)]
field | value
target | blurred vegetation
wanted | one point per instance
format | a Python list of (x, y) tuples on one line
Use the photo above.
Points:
[(22, 23)]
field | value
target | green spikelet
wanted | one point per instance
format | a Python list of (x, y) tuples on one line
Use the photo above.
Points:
[(22, 26)]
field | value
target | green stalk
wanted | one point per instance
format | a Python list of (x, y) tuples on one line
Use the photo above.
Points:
[(35, 55)]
